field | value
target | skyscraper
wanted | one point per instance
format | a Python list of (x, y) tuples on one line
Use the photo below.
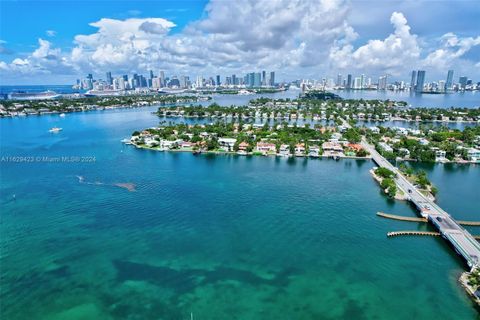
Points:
[(218, 80), (257, 80), (420, 80), (162, 79), (413, 80), (463, 82), (109, 78), (264, 78), (272, 79), (349, 81), (449, 83), (339, 80)]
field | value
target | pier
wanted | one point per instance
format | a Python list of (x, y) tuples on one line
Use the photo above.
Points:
[(461, 240), (413, 233), (414, 219)]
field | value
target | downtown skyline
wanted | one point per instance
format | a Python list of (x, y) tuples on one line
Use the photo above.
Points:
[(298, 40)]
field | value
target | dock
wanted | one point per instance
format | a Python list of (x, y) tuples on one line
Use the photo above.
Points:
[(460, 239)]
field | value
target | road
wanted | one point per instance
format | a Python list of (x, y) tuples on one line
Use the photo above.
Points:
[(463, 242)]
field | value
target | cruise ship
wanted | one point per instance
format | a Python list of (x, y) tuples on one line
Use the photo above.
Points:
[(22, 95)]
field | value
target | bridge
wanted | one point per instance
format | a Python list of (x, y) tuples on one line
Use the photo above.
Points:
[(463, 242)]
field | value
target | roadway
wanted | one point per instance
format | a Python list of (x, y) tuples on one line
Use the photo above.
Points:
[(463, 242)]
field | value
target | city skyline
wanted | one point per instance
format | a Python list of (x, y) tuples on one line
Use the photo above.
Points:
[(293, 38)]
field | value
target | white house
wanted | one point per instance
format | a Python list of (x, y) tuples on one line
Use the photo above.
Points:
[(473, 155), (227, 142)]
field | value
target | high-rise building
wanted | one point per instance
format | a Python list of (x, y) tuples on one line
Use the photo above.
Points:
[(339, 80), (257, 80), (449, 82), (463, 82), (362, 80), (199, 82), (272, 79), (420, 80), (162, 79), (382, 83), (234, 80), (109, 78), (357, 83), (218, 80), (264, 78), (413, 81), (349, 81)]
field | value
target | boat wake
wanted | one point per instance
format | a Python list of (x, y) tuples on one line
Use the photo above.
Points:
[(125, 185)]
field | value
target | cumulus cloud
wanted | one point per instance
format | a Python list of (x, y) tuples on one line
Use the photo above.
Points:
[(394, 53), (298, 37), (43, 60), (453, 48)]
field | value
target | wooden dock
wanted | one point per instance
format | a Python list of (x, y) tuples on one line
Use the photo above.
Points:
[(415, 219), (418, 233), (401, 218)]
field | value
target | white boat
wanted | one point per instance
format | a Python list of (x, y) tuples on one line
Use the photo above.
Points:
[(62, 115), (55, 130)]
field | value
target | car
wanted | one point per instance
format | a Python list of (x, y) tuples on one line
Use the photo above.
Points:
[(439, 219), (409, 190)]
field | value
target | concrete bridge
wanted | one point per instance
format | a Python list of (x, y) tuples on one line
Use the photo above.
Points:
[(463, 242)]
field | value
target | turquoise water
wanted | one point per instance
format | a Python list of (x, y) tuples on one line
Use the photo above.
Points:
[(213, 237)]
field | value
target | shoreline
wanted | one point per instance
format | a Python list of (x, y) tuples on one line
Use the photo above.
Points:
[(256, 154), (281, 156)]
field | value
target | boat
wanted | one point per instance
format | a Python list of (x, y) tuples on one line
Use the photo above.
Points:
[(55, 130), (23, 95), (62, 115)]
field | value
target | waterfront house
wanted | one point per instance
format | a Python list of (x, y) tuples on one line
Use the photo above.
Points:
[(332, 149), (285, 150), (313, 151), (300, 149), (227, 143), (265, 147), (170, 144), (473, 155), (186, 145), (243, 146), (439, 155)]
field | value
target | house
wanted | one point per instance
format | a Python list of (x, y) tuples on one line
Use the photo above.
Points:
[(227, 143), (285, 150), (313, 151), (170, 144), (423, 142), (265, 147), (473, 155), (385, 147), (243, 146), (186, 145), (439, 155), (374, 129), (300, 149), (354, 146)]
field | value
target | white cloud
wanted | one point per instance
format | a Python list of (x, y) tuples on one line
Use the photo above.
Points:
[(300, 38), (51, 33), (451, 51), (399, 50)]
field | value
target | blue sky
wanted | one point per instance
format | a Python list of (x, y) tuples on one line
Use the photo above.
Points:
[(55, 39)]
